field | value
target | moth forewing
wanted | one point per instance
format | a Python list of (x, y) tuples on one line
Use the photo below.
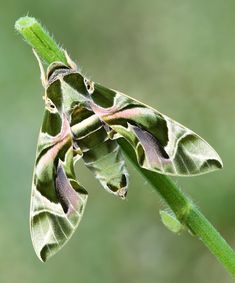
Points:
[(58, 200), (161, 144)]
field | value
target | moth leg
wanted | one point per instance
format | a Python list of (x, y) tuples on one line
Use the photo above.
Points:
[(42, 71)]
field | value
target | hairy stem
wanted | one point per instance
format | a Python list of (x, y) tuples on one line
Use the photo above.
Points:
[(187, 213), (183, 207), (40, 40)]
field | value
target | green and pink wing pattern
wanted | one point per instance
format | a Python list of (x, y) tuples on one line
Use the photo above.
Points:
[(83, 119), (160, 143), (58, 200)]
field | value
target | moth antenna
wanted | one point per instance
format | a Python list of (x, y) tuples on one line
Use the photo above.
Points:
[(42, 71), (70, 62)]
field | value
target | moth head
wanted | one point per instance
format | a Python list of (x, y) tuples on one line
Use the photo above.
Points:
[(59, 68), (56, 69)]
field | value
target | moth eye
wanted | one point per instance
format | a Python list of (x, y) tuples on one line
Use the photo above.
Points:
[(89, 85)]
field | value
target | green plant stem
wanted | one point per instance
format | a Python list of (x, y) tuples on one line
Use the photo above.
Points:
[(187, 213), (40, 40), (183, 207)]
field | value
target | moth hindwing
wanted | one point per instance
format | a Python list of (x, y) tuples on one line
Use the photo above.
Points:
[(83, 119)]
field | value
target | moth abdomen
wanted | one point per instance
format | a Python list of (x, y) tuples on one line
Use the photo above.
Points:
[(105, 160), (100, 154)]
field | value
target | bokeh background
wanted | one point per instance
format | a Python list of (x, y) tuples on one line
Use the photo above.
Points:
[(178, 56)]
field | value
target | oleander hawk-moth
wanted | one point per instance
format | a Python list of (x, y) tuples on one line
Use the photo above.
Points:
[(83, 119)]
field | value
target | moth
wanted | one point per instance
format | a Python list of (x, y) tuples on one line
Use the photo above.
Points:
[(83, 119)]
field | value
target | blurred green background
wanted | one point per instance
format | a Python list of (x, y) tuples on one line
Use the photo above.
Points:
[(178, 56)]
